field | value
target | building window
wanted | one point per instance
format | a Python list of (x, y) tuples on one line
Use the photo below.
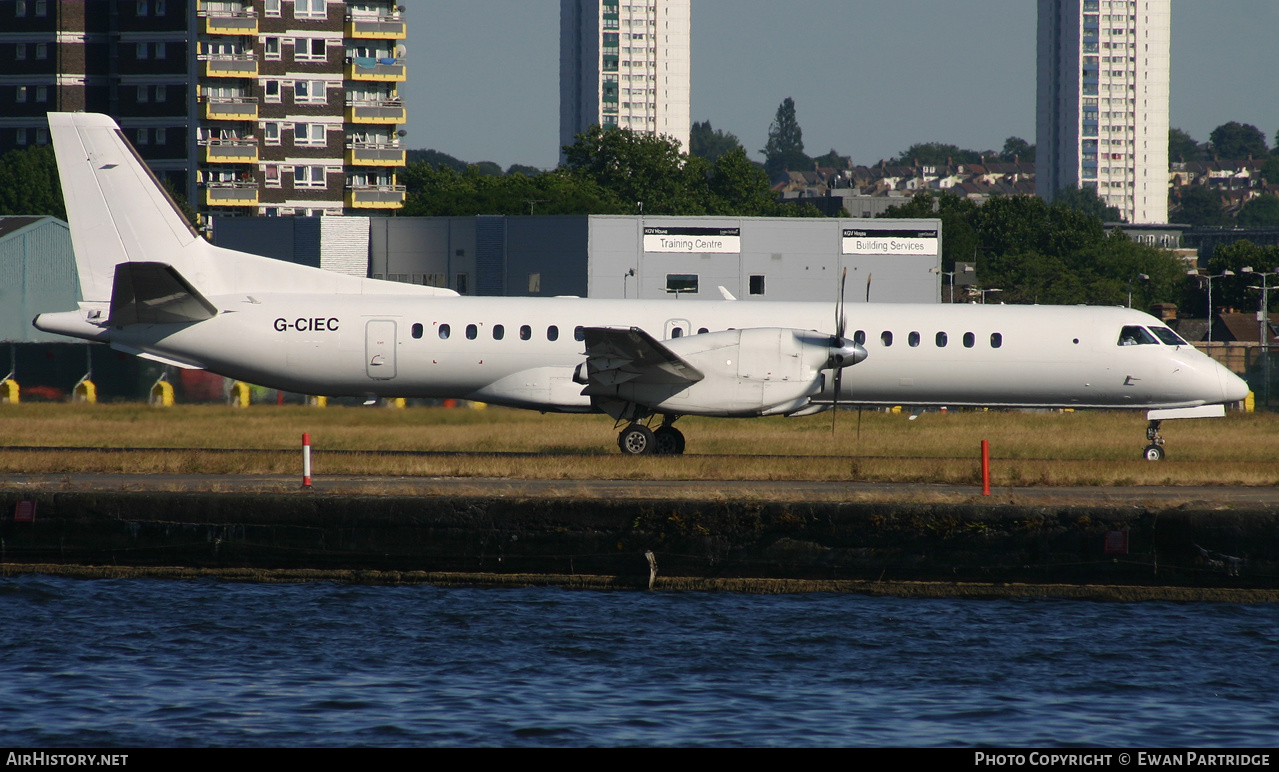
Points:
[(20, 8), (21, 137), (161, 136), (461, 284), (272, 7), (309, 91), (271, 46), (20, 51), (42, 93), (680, 283), (161, 9), (42, 50), (160, 50), (42, 9), (161, 93), (271, 174), (308, 177), (271, 91), (142, 94), (308, 134), (42, 135), (142, 136), (311, 9), (271, 132), (757, 284), (142, 7), (310, 49), (142, 51), (20, 94)]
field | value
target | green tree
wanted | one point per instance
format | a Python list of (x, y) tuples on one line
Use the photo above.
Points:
[(527, 171), (1183, 147), (1235, 140), (1199, 206), (711, 144), (647, 173), (785, 148), (935, 154), (435, 158), (1260, 212), (29, 183), (1086, 200), (833, 160), (1270, 170), (1018, 149), (959, 238)]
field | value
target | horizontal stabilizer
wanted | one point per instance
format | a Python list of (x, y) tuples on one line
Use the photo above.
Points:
[(154, 293)]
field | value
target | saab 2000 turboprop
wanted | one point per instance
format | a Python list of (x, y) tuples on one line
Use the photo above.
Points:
[(150, 286)]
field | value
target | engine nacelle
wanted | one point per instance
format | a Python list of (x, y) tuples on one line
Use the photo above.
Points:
[(752, 372)]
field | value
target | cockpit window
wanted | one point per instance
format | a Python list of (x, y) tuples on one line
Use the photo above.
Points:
[(1169, 337), (1136, 336)]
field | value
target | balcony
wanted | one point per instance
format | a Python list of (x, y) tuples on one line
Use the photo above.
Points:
[(377, 27), (231, 194), (228, 22), (368, 68), (374, 196), (374, 154), (230, 151), (229, 65), (229, 108), (388, 111)]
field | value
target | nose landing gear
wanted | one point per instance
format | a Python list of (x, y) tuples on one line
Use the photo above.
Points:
[(1155, 450), (637, 439)]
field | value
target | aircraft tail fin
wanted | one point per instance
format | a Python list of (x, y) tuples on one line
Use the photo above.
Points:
[(118, 211)]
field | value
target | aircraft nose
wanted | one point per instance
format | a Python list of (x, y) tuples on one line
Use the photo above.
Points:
[(1233, 388)]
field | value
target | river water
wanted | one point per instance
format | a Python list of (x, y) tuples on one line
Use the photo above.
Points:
[(142, 662)]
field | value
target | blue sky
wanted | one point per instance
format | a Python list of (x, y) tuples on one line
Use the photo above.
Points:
[(868, 78)]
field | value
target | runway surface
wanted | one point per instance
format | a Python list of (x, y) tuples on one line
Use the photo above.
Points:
[(765, 490)]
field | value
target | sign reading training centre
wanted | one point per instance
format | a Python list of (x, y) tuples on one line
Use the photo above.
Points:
[(720, 241), (873, 241)]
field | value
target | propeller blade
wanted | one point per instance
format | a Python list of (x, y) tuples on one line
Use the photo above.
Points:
[(869, 276), (839, 307), (838, 342)]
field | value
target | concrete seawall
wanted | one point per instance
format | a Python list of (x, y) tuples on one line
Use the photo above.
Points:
[(1188, 547)]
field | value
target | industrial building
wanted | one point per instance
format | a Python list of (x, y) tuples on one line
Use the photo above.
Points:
[(613, 256), (249, 107), (1102, 102), (625, 65)]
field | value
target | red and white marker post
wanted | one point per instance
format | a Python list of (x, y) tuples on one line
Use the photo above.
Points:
[(985, 467), (306, 460)]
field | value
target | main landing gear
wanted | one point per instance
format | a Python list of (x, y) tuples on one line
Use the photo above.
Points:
[(638, 440), (1155, 450)]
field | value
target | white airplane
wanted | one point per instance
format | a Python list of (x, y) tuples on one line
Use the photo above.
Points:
[(152, 287)]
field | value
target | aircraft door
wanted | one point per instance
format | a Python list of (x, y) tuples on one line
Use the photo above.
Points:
[(677, 328), (379, 349)]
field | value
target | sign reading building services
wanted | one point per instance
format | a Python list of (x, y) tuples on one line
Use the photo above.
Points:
[(722, 241), (897, 241)]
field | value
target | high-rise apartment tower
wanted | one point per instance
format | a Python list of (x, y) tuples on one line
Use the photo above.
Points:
[(1102, 107), (624, 64), (268, 107)]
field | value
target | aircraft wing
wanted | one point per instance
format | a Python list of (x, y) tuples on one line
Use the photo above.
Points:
[(615, 355)]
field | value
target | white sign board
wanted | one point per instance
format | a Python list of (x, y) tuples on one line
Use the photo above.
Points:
[(719, 241), (895, 241)]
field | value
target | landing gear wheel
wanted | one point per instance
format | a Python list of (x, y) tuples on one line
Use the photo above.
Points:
[(1155, 450), (1154, 453), (670, 441), (637, 440)]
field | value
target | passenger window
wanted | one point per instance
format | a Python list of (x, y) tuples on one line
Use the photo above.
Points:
[(677, 332), (417, 331), (499, 332), (579, 333), (526, 332), (472, 332), (1136, 336), (886, 338), (970, 340), (702, 330), (444, 332), (1168, 336), (552, 333), (859, 337), (996, 340), (941, 340), (913, 339)]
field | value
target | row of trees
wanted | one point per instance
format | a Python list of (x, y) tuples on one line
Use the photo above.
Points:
[(613, 171), (1060, 253)]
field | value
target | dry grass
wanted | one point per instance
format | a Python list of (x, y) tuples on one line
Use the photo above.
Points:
[(1027, 448)]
